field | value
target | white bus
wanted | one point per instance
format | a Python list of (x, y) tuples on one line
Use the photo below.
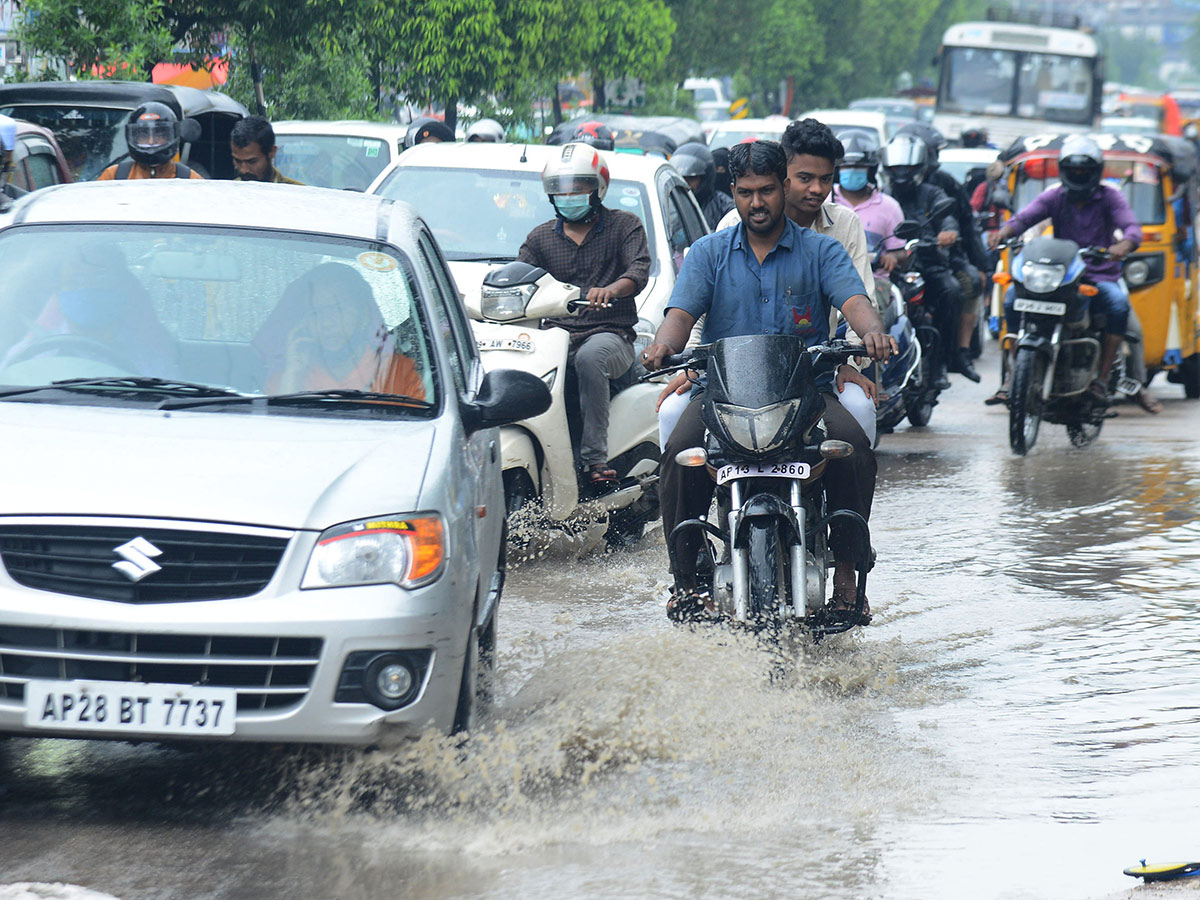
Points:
[(1014, 78)]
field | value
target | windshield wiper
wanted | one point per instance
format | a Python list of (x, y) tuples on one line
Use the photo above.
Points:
[(129, 383), (303, 398)]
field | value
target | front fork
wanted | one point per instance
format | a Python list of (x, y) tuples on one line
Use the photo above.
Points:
[(798, 553)]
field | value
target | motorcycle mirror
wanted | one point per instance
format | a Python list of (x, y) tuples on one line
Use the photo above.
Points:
[(942, 207), (694, 457), (908, 230), (835, 449)]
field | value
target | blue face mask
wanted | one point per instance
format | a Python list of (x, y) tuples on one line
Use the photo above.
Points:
[(573, 207), (852, 179)]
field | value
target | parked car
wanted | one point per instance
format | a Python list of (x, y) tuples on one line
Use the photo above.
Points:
[(37, 160), (346, 155), (88, 120), (251, 488), (708, 98), (726, 134)]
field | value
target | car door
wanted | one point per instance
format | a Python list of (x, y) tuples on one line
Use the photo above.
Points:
[(475, 473), (684, 221)]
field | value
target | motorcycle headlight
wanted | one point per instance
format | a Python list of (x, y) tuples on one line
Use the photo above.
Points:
[(758, 430), (406, 550), (1137, 271), (505, 304), (1041, 278)]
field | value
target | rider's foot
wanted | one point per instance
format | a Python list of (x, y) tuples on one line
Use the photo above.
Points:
[(1098, 391), (690, 606), (1001, 396), (842, 609), (942, 381), (1144, 399), (963, 366)]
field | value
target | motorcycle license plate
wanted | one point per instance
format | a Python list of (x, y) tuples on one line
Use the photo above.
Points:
[(763, 470), (1041, 307), (522, 346), (129, 707)]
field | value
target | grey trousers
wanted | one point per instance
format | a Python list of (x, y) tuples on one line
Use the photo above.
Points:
[(597, 359)]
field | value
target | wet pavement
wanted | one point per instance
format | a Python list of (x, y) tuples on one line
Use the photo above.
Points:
[(1020, 721)]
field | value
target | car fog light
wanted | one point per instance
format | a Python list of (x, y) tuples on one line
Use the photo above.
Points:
[(394, 681)]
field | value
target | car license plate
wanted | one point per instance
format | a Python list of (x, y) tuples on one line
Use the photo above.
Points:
[(1042, 307), (522, 346), (129, 707), (763, 470)]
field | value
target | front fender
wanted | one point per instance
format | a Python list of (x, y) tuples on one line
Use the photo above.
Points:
[(765, 506)]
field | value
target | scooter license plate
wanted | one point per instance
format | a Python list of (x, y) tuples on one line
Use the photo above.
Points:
[(763, 470), (522, 346), (1041, 307)]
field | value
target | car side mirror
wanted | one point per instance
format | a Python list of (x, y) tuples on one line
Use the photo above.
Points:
[(908, 230), (506, 396), (189, 131)]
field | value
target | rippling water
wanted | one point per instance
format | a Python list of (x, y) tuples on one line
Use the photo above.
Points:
[(1021, 721)]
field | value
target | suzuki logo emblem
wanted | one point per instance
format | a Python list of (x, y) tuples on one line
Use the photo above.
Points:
[(137, 562)]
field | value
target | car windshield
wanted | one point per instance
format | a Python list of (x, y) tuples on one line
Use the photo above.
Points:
[(487, 213), (90, 137), (1140, 182), (252, 312), (332, 161), (727, 137), (980, 81)]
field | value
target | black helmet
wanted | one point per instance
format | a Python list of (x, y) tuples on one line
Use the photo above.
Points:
[(860, 151), (934, 140), (427, 127), (695, 160), (974, 137), (594, 134), (152, 134), (1080, 166), (906, 159)]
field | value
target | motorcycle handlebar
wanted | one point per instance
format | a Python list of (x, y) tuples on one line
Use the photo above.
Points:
[(697, 358)]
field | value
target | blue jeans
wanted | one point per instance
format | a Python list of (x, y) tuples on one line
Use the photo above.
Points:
[(1112, 300)]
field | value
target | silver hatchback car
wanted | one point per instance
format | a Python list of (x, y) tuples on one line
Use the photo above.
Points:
[(250, 485)]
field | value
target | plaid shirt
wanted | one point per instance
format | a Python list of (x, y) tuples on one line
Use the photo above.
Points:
[(615, 248)]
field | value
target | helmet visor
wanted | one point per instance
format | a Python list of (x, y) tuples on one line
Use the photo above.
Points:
[(152, 134), (904, 151), (687, 165), (571, 183)]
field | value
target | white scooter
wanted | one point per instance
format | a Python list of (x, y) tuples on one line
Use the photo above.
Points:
[(538, 453)]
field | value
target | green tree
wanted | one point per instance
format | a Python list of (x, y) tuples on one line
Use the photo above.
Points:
[(632, 40), (124, 37)]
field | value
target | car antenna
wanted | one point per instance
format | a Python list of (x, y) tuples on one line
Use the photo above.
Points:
[(524, 158)]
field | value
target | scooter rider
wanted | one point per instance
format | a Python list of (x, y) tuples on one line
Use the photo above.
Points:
[(603, 251), (152, 135), (1089, 213), (695, 163), (857, 177), (904, 159), (799, 275), (967, 256)]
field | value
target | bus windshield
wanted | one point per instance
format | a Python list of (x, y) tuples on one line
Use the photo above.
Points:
[(1050, 86)]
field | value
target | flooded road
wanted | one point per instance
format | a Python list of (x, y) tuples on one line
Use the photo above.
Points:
[(1020, 721)]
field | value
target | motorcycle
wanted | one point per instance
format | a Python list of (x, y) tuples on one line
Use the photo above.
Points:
[(1057, 344), (539, 454), (766, 449)]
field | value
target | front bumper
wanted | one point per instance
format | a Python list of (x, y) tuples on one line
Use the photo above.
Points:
[(309, 634)]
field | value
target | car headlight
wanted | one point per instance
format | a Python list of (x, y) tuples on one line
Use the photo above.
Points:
[(757, 430), (505, 304), (1137, 271), (1041, 278), (406, 550)]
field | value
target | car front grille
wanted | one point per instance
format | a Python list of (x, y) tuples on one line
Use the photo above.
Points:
[(193, 565), (267, 672)]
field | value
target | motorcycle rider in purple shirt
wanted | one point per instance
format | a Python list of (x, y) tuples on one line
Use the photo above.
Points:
[(1089, 213)]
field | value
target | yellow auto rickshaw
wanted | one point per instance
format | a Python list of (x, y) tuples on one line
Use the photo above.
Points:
[(1160, 177)]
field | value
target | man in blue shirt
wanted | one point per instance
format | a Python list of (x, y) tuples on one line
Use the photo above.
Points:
[(767, 276)]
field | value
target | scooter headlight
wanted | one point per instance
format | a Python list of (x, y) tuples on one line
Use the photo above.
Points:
[(505, 304), (1040, 278), (758, 430)]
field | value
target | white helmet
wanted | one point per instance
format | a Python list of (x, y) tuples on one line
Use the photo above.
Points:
[(577, 169), (486, 130)]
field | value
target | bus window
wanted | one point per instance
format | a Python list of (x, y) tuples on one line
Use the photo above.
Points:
[(1055, 87)]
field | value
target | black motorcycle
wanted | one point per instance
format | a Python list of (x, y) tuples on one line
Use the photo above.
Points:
[(766, 449)]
